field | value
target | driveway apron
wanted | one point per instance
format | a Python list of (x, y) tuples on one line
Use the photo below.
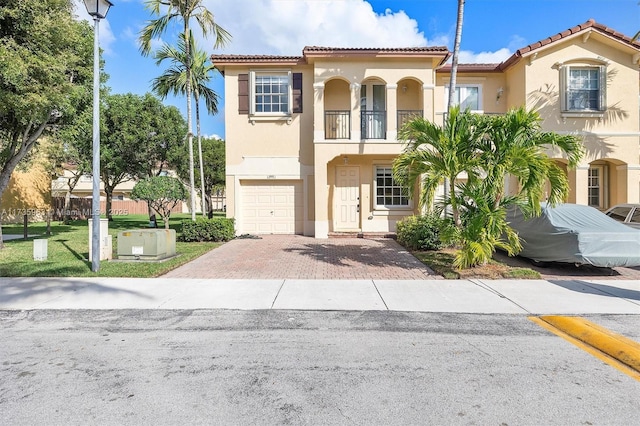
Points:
[(298, 257)]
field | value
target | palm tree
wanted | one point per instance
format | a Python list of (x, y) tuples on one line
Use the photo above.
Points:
[(170, 11), (434, 153), (456, 52), (174, 81), (454, 73), (514, 144), (486, 149)]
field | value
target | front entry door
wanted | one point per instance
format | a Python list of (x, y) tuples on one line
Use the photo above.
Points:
[(347, 199)]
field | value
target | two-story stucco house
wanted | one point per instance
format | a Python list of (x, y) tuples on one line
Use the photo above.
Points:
[(311, 138)]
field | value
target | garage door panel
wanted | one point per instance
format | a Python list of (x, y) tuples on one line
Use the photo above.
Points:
[(270, 207)]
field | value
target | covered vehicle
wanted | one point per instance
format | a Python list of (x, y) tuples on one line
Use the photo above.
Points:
[(629, 214), (572, 233)]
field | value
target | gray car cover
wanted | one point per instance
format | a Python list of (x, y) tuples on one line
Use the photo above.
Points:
[(573, 233)]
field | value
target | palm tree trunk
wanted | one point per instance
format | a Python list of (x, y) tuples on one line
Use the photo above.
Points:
[(189, 124), (452, 90), (456, 53), (200, 151)]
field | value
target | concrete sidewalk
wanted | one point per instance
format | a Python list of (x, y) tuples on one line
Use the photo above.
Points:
[(536, 297)]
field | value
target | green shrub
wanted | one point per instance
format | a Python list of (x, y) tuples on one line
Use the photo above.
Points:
[(215, 229), (420, 232)]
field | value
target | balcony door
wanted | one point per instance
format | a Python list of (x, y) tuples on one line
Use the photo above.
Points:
[(373, 105)]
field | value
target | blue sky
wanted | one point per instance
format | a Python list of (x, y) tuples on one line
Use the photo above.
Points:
[(493, 30)]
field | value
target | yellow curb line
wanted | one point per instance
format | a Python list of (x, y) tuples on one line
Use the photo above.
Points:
[(616, 350)]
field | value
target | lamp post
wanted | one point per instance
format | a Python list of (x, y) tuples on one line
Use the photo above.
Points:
[(97, 9)]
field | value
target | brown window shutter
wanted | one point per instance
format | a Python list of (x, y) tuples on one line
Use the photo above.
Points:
[(243, 93), (297, 92)]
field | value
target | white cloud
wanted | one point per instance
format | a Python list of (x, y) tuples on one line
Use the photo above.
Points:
[(517, 42), (105, 34), (468, 57), (284, 27)]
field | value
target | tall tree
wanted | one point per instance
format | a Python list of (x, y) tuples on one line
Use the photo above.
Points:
[(213, 179), (454, 75), (213, 159), (456, 53), (167, 135), (476, 152), (174, 81), (46, 71), (182, 11), (70, 162), (434, 153), (133, 130)]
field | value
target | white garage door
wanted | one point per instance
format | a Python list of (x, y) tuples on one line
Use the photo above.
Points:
[(272, 207)]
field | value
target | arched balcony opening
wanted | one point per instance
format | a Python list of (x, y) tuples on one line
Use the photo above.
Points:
[(337, 109), (409, 97)]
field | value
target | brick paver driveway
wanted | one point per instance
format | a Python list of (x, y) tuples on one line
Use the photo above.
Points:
[(295, 256)]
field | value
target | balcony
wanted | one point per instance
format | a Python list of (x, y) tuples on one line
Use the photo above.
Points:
[(405, 115), (337, 124), (373, 124)]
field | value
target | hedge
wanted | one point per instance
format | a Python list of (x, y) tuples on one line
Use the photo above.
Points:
[(420, 232), (214, 229)]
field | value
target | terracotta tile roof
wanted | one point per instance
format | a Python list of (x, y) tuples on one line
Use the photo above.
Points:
[(311, 51), (471, 68), (590, 24), (243, 59), (374, 50)]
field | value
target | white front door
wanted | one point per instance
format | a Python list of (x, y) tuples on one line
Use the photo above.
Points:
[(347, 199)]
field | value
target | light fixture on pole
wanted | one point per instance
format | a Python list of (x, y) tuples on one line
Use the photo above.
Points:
[(98, 10)]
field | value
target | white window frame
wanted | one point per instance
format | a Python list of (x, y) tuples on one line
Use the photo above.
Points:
[(384, 207), (565, 79), (252, 93), (480, 109), (602, 186)]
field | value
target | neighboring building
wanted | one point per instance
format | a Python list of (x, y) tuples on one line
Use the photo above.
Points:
[(311, 138), (122, 204)]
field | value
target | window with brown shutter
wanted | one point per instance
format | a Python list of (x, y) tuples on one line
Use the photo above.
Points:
[(243, 93), (297, 92)]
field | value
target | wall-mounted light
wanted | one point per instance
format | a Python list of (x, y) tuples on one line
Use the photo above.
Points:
[(499, 94), (404, 88), (346, 160)]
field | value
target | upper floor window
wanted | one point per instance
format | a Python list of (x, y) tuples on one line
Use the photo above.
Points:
[(466, 96), (389, 194), (270, 93), (584, 88)]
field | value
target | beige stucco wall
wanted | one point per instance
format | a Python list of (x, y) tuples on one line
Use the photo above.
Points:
[(371, 219), (260, 148), (298, 148), (337, 95), (491, 83), (611, 138)]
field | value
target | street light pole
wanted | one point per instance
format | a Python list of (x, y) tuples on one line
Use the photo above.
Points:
[(98, 10)]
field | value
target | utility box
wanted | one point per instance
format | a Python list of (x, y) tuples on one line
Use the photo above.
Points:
[(106, 245), (146, 244), (40, 249)]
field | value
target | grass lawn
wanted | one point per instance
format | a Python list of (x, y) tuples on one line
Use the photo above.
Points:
[(441, 262), (68, 250)]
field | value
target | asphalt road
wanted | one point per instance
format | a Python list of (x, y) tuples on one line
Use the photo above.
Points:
[(295, 367)]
